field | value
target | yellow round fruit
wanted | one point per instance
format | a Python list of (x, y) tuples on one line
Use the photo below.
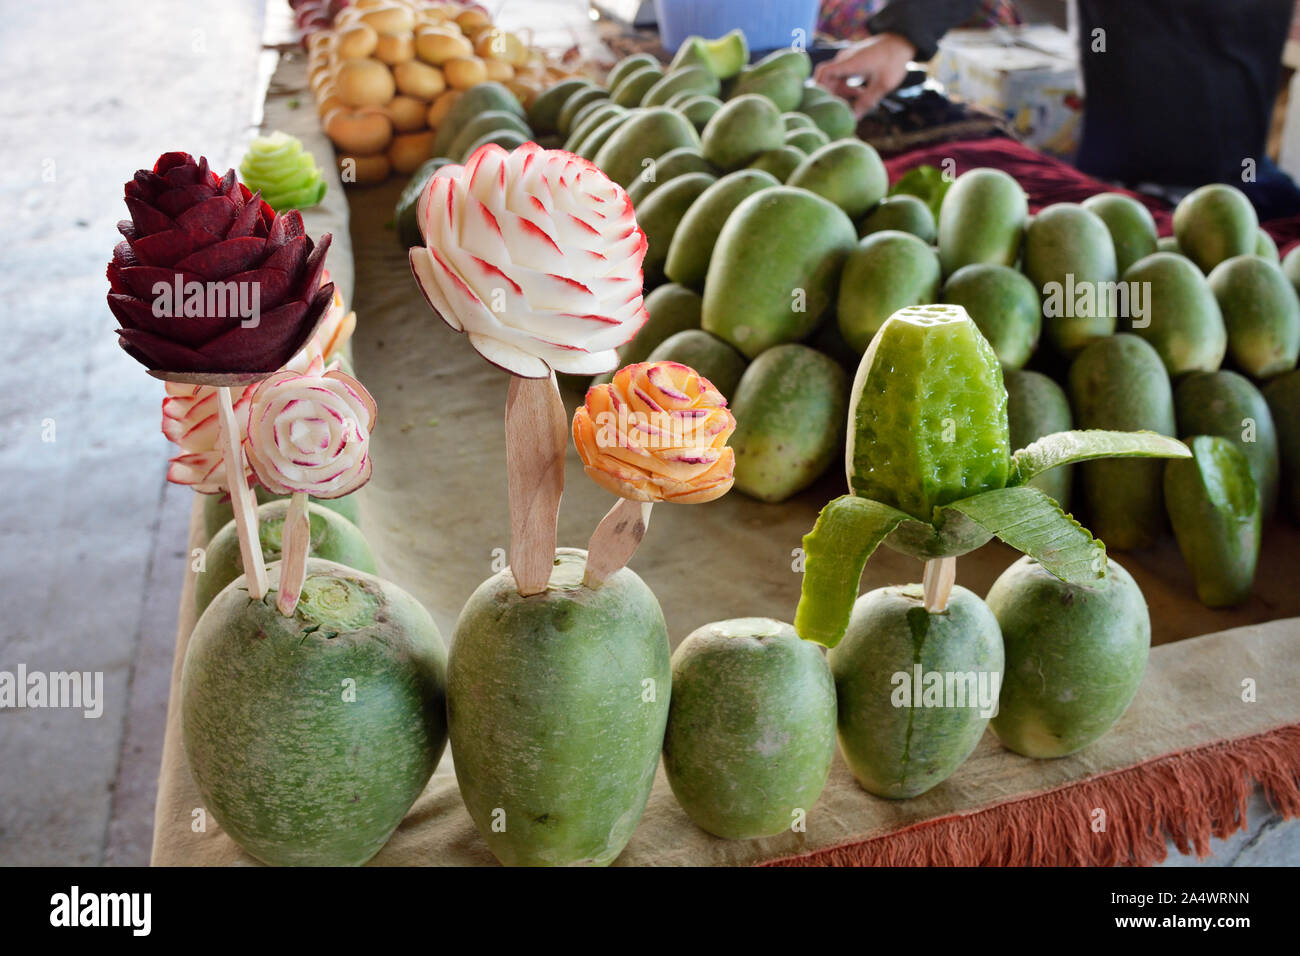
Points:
[(464, 72), (395, 48), (363, 132), (363, 82), (365, 170), (409, 150), (441, 107), (419, 80), (358, 40)]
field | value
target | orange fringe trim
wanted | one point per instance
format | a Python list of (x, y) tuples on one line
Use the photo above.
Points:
[(1190, 796)]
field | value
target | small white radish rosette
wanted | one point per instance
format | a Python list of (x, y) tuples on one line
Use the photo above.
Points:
[(536, 255), (310, 432)]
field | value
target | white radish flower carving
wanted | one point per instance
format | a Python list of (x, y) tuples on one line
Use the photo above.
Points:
[(534, 254), (310, 433)]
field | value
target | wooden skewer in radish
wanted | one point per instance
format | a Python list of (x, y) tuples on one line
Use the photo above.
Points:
[(657, 432), (535, 442), (241, 496), (308, 434), (937, 582)]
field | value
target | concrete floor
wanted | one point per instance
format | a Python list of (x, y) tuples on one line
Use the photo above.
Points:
[(91, 536)]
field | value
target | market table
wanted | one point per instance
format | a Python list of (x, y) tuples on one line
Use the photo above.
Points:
[(1180, 761)]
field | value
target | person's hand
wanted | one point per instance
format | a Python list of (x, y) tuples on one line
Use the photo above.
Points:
[(881, 63)]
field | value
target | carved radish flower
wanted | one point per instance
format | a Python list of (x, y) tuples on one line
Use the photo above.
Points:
[(309, 432), (536, 256), (657, 432)]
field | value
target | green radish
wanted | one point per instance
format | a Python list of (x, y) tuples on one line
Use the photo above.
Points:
[(982, 219), (1181, 318), (751, 727), (848, 172), (789, 408), (1002, 302), (544, 113), (333, 538), (659, 215), (1075, 654), (674, 163), (1038, 407), (1283, 396), (1215, 223), (887, 271), (693, 242), (1262, 313), (915, 688), (557, 705), (310, 736), (902, 212), (742, 129), (1132, 227)]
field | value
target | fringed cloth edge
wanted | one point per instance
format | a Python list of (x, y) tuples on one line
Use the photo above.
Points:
[(1112, 819)]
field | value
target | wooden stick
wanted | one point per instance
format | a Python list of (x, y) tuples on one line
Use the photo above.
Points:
[(536, 436), (615, 539), (940, 575), (295, 543), (241, 496)]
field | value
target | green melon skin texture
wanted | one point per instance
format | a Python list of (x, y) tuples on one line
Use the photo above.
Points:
[(903, 213), (1291, 267), (591, 120), (659, 216), (848, 172), (789, 408), (293, 772), (903, 751), (697, 234), (1067, 240), (707, 354), (671, 308), (751, 727), (478, 99), (887, 271), (1120, 383), (807, 141), (780, 162), (218, 512), (797, 121), (333, 538), (982, 219), (593, 141), (628, 65), (699, 79), (1266, 248), (1213, 506), (1283, 396), (674, 163), (1214, 223), (927, 414), (646, 136), (544, 113), (1261, 312), (699, 109), (781, 249), (1075, 655), (1003, 303), (631, 92), (1132, 228), (507, 139), (486, 124), (548, 713), (833, 117), (1168, 244), (406, 211), (574, 104), (1228, 405), (1182, 318), (1037, 407), (784, 89), (742, 129)]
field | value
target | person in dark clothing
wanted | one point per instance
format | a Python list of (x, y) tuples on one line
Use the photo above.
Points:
[(1176, 92)]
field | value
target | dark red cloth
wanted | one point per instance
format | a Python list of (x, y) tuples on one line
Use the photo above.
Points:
[(1048, 180)]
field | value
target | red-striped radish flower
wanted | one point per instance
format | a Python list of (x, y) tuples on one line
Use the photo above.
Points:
[(534, 254), (310, 432)]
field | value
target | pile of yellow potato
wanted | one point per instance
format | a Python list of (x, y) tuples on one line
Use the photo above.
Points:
[(389, 70)]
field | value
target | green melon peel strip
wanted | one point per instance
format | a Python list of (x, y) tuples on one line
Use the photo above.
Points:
[(1034, 523), (848, 530), (1065, 448)]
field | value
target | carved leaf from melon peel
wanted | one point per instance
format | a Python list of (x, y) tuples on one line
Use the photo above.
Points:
[(1065, 448)]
